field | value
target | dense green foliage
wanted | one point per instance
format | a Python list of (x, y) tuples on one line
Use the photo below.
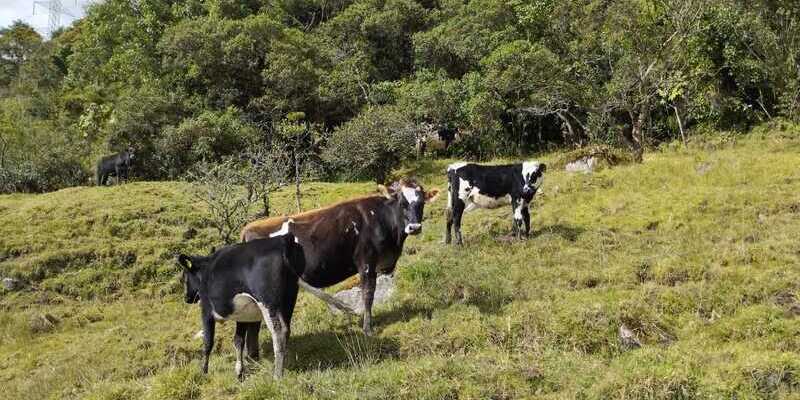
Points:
[(695, 251), (189, 80)]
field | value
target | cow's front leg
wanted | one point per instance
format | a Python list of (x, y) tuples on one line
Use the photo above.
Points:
[(208, 339), (519, 209), (238, 345), (448, 212), (368, 279), (526, 219)]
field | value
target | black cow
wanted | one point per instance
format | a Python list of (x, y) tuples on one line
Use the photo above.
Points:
[(435, 137), (246, 283), (490, 186), (118, 165), (363, 235)]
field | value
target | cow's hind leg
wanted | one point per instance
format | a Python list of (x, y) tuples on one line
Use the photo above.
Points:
[(208, 340), (251, 339), (238, 345), (279, 334)]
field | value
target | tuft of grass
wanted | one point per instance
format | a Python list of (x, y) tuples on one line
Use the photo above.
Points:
[(182, 383)]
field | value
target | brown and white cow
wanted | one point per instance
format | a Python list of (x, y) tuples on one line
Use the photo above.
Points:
[(363, 236)]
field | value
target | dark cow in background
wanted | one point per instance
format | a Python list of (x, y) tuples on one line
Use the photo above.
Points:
[(118, 165), (490, 186), (363, 236), (246, 283), (435, 137)]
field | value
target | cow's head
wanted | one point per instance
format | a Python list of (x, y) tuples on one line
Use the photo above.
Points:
[(532, 177), (192, 266), (410, 199)]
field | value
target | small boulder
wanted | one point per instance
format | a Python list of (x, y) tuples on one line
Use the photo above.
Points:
[(384, 288), (11, 284), (586, 165), (40, 323), (628, 339), (703, 168)]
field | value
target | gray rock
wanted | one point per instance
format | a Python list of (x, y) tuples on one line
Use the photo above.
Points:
[(41, 323), (586, 165), (628, 339), (384, 288), (11, 284), (703, 168)]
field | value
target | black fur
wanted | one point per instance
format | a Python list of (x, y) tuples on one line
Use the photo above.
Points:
[(118, 165), (264, 269)]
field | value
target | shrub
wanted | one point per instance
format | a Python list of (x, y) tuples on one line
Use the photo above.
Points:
[(370, 145), (209, 137)]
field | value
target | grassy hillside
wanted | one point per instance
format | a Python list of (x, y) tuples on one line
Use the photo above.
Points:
[(698, 252)]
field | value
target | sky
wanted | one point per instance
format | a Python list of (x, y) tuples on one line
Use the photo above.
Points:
[(12, 10)]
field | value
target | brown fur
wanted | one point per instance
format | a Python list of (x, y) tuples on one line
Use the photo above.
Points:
[(261, 228)]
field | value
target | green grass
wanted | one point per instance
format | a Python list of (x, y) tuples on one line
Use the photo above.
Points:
[(703, 266)]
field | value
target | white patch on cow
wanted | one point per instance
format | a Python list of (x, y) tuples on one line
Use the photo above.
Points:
[(483, 201), (464, 189), (245, 309), (456, 166), (238, 365), (410, 194), (518, 209), (284, 230), (372, 212), (529, 168), (412, 228), (355, 227)]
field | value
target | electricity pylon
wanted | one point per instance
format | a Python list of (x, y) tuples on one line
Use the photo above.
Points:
[(54, 11)]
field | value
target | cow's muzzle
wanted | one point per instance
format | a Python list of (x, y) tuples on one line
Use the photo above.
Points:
[(413, 229)]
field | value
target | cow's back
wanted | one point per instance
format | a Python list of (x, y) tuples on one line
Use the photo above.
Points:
[(329, 236)]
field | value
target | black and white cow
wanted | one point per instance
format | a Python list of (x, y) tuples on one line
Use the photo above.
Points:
[(246, 283), (118, 165), (473, 186)]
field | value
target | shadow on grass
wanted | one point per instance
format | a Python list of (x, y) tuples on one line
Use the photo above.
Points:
[(567, 232), (331, 349)]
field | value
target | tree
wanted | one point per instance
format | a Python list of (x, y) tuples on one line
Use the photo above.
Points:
[(17, 44)]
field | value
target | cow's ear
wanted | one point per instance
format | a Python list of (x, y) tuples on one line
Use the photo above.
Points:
[(542, 167), (431, 195), (384, 191), (185, 262)]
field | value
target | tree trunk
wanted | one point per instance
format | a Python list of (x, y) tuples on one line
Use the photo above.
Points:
[(564, 119), (633, 136), (297, 181), (680, 127)]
